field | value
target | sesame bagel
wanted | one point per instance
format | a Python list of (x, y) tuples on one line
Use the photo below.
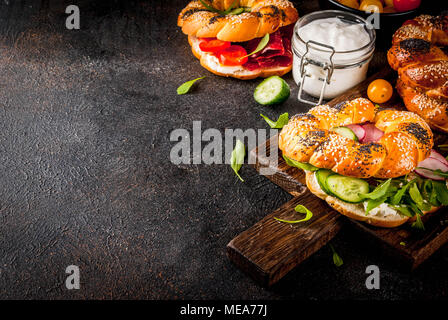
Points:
[(259, 18), (423, 67), (405, 141)]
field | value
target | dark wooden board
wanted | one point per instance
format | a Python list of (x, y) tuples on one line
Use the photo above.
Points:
[(269, 249)]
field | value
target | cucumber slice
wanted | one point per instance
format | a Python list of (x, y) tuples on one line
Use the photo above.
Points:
[(321, 177), (345, 132), (272, 90), (347, 188)]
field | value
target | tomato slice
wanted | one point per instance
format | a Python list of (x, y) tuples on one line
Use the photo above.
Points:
[(213, 45), (232, 56)]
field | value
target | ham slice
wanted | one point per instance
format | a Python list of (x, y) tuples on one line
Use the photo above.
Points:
[(277, 52)]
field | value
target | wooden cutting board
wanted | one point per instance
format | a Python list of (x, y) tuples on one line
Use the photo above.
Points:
[(270, 249)]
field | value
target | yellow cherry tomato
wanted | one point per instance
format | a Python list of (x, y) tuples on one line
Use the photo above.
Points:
[(350, 3), (379, 91), (371, 5)]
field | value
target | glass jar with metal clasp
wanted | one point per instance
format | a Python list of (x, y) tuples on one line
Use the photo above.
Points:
[(325, 71)]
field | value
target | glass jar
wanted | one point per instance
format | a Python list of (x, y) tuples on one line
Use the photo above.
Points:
[(325, 71)]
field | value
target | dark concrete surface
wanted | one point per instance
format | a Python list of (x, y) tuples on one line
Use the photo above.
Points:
[(85, 120)]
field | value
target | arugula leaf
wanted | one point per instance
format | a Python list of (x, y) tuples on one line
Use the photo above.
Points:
[(378, 192), (442, 191), (404, 210), (337, 260), (263, 42), (433, 199), (185, 87), (220, 12), (301, 209), (237, 158), (300, 165), (418, 224), (437, 172), (212, 9), (282, 120), (373, 203)]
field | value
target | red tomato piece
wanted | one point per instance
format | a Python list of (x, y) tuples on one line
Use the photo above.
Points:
[(406, 5), (213, 45), (232, 56)]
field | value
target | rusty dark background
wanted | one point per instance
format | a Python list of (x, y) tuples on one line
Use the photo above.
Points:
[(85, 120)]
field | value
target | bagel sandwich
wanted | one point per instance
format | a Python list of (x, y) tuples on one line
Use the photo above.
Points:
[(224, 35), (370, 164)]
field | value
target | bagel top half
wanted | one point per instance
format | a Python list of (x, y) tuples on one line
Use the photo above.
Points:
[(259, 18)]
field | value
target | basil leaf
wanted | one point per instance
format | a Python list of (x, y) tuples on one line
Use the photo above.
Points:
[(237, 158), (378, 192), (418, 224), (442, 191), (282, 120), (300, 165), (301, 209), (263, 42), (373, 203), (185, 87), (337, 260)]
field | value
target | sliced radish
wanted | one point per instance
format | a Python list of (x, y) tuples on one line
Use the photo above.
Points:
[(434, 154), (357, 130), (432, 164), (373, 134)]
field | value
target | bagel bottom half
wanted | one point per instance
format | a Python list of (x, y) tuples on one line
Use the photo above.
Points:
[(356, 211), (211, 63)]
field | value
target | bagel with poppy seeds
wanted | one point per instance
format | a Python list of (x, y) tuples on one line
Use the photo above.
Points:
[(405, 141), (224, 40), (423, 67)]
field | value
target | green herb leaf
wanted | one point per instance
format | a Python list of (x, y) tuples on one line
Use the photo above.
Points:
[(442, 191), (300, 165), (378, 192), (301, 209), (237, 11), (418, 224), (185, 87), (237, 158), (373, 203), (417, 198), (433, 199), (402, 243), (404, 210), (337, 260), (263, 42), (282, 120)]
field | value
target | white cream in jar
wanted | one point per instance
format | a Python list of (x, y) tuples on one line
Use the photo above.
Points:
[(332, 45)]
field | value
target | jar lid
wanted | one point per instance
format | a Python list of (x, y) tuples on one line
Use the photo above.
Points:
[(317, 43)]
